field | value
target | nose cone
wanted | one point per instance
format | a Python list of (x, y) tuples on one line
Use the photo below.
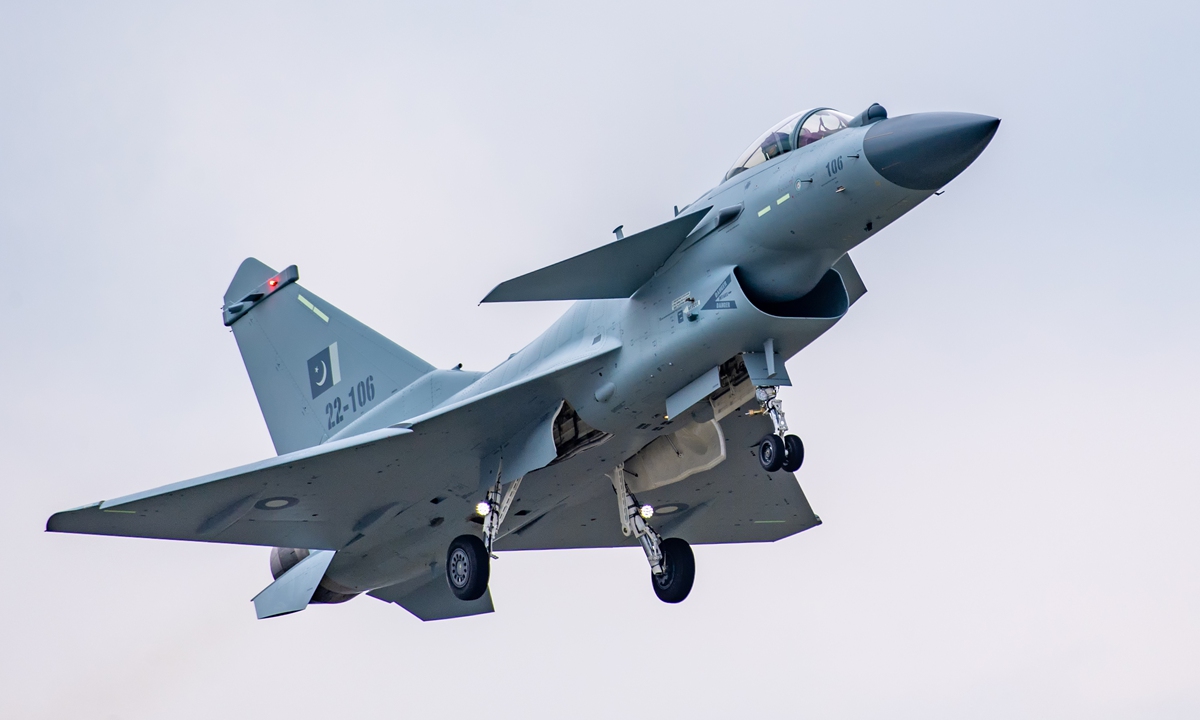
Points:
[(927, 150)]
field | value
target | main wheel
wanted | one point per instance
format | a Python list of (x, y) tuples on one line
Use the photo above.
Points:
[(467, 567), (679, 571), (771, 453), (793, 453)]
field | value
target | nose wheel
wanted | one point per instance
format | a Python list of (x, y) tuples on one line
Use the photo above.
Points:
[(793, 450), (777, 451)]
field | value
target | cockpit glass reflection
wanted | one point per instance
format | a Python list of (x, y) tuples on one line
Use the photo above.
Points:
[(821, 124), (772, 143), (785, 137)]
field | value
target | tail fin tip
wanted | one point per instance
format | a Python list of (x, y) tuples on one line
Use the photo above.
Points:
[(251, 284)]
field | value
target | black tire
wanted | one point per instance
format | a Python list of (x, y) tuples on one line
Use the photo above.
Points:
[(679, 571), (771, 453), (793, 451), (467, 567)]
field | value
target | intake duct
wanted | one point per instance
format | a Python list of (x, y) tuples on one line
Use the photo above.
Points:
[(827, 301)]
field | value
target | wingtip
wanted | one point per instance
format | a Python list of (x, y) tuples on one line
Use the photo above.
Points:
[(54, 523), (491, 295)]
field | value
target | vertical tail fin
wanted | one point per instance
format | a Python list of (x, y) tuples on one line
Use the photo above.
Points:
[(313, 367)]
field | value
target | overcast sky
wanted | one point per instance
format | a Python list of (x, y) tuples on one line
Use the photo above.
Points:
[(1001, 436)]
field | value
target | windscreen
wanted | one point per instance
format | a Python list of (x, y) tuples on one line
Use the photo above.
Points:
[(786, 136)]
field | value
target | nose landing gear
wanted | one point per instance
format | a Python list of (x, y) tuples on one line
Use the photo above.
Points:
[(778, 451)]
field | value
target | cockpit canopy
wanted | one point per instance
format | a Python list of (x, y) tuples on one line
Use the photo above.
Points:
[(803, 128)]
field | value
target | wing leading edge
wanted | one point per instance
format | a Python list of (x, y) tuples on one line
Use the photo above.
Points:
[(286, 501), (615, 270)]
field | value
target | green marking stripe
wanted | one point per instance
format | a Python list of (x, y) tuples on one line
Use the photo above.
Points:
[(312, 307)]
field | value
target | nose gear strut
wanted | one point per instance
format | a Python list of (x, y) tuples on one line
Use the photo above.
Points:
[(772, 406), (779, 450)]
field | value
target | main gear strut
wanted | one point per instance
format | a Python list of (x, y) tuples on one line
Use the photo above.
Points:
[(494, 509), (633, 520), (672, 565), (468, 561)]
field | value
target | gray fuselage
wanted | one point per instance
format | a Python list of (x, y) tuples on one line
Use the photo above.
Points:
[(768, 274)]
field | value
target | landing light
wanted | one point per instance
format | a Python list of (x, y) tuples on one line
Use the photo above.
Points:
[(483, 508), (646, 511)]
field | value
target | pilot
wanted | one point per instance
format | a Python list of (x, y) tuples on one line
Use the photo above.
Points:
[(776, 144)]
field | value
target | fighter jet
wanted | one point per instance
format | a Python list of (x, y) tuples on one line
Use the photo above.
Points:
[(647, 415)]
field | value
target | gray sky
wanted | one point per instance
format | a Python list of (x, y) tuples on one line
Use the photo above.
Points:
[(1001, 435)]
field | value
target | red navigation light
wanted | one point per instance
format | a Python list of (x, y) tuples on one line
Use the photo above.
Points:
[(273, 282)]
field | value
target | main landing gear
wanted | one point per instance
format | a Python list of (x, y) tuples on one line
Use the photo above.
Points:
[(467, 567), (778, 451), (672, 565), (468, 561)]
